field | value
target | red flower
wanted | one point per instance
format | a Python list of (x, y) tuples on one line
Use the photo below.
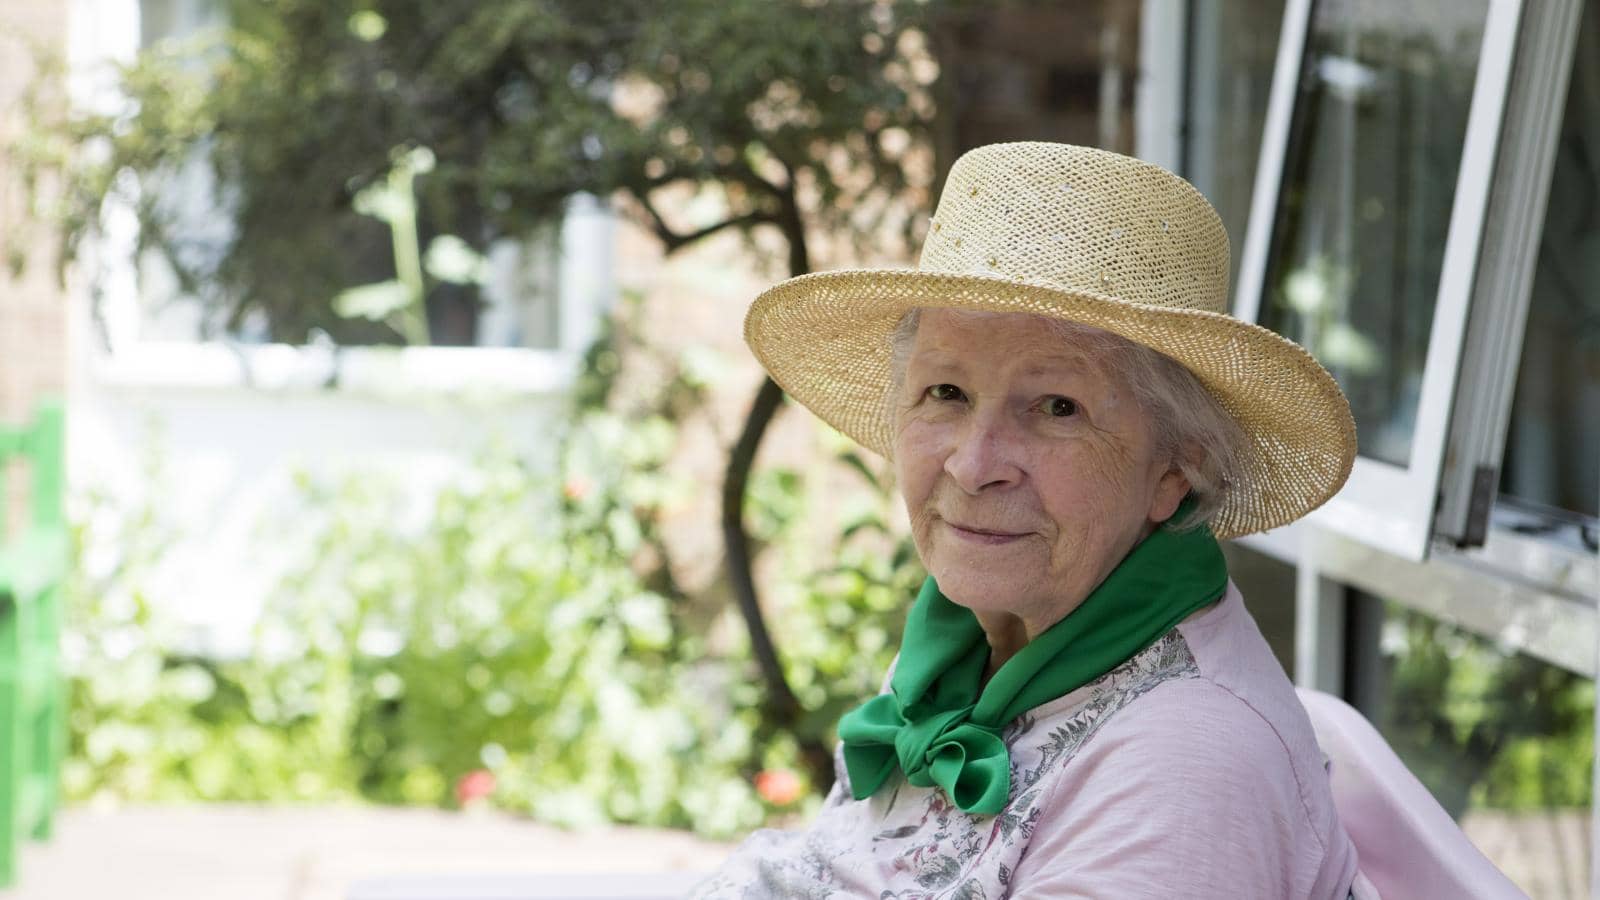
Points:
[(474, 786), (779, 787), (576, 488)]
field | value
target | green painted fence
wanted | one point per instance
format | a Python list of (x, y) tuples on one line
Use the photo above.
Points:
[(33, 565)]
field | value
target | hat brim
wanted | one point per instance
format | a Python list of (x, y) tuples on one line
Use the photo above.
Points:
[(825, 339)]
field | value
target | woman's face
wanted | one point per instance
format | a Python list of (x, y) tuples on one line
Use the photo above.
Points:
[(1028, 473)]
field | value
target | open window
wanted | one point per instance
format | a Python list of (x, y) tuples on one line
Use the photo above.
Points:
[(1403, 172)]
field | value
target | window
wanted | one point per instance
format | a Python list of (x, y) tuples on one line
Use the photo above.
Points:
[(1231, 48), (1364, 209), (1366, 227), (1554, 440), (1399, 227)]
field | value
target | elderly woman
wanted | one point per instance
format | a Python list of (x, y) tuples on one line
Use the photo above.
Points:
[(1081, 706)]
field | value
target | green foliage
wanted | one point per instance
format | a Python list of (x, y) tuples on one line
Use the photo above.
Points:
[(512, 631), (1481, 726), (791, 115), (147, 719), (502, 625), (304, 119), (843, 604)]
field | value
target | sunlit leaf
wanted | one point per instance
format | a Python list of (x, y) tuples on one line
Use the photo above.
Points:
[(372, 301), (385, 202), (368, 25), (452, 259)]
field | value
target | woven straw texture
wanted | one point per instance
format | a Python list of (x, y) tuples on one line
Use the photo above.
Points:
[(1089, 236)]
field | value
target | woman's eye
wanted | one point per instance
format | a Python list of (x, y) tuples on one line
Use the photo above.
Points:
[(945, 392), (1061, 407)]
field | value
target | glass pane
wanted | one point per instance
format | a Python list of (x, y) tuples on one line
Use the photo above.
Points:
[(1368, 183), (1233, 47), (1503, 740), (1553, 446)]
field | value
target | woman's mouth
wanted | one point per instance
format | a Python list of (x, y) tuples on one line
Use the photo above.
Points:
[(986, 536)]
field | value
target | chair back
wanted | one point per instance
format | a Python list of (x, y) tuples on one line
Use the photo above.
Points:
[(1406, 844), (33, 566)]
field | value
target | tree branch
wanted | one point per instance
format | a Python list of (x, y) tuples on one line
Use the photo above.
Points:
[(737, 543), (734, 173), (749, 218), (674, 240), (735, 538), (793, 225), (653, 221)]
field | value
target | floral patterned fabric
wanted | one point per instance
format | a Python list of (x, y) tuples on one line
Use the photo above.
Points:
[(910, 843)]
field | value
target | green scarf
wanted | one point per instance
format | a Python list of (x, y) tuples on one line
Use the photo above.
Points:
[(938, 727)]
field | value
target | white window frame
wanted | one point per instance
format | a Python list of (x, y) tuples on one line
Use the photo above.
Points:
[(1159, 93), (1388, 506)]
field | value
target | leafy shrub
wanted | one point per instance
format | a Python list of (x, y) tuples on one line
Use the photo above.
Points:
[(504, 625), (843, 602)]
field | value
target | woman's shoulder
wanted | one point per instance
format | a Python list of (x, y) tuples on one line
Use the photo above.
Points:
[(1194, 763), (1194, 725), (1203, 714), (1239, 680), (1233, 720), (1174, 745), (1240, 755)]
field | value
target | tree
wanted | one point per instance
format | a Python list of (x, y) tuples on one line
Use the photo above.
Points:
[(805, 118)]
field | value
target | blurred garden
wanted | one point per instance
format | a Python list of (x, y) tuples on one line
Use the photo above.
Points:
[(517, 632), (647, 610)]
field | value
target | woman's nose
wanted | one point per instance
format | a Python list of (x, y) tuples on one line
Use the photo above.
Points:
[(983, 457)]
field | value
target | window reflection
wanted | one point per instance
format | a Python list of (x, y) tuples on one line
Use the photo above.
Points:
[(1233, 47), (1368, 182), (1504, 741), (1553, 445)]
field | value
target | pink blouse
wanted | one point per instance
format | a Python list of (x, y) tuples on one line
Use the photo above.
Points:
[(1188, 771)]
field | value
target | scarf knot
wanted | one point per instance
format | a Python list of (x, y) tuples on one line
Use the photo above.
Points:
[(943, 748)]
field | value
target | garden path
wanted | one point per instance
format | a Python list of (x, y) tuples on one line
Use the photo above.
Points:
[(250, 853)]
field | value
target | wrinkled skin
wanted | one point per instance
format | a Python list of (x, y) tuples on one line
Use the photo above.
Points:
[(1028, 472)]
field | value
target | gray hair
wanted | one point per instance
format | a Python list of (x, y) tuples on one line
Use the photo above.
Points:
[(1188, 426)]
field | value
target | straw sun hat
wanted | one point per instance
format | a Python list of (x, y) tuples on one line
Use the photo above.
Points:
[(1091, 237)]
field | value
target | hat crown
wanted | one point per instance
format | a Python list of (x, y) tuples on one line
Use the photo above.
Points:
[(1082, 220)]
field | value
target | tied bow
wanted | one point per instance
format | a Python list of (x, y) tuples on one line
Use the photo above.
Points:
[(947, 749)]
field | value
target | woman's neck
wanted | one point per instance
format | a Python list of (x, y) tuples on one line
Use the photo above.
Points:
[(1006, 634)]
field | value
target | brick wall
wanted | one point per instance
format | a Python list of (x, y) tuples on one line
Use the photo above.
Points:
[(33, 311)]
